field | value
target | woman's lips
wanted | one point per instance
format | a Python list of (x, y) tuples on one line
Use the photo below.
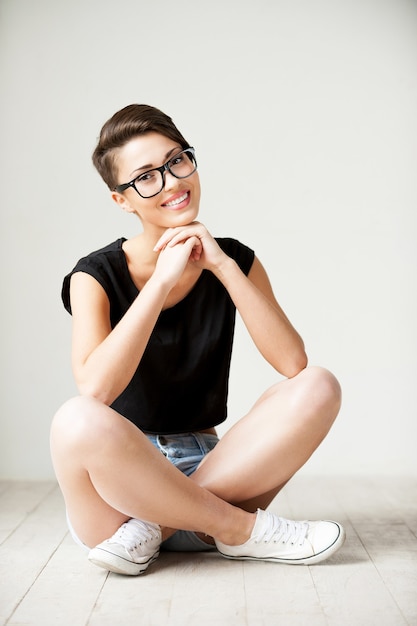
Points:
[(178, 201)]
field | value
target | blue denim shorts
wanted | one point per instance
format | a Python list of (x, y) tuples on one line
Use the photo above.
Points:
[(185, 451)]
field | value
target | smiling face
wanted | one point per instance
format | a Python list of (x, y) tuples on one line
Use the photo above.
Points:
[(178, 202)]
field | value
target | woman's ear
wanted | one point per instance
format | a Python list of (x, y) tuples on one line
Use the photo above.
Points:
[(122, 201)]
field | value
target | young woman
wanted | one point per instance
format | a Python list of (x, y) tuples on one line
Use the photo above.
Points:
[(136, 454)]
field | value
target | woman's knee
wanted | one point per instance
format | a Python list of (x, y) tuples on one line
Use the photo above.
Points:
[(80, 419), (322, 389)]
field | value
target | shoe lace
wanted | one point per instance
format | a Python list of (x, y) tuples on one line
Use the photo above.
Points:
[(279, 529), (134, 533)]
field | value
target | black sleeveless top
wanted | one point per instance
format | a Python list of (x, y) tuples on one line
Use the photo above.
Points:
[(181, 383)]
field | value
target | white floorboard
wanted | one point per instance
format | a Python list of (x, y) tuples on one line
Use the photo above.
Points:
[(46, 580)]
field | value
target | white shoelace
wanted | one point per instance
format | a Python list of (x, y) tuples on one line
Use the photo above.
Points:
[(279, 529), (135, 533)]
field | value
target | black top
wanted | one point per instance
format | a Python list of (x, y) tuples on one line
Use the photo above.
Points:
[(181, 383)]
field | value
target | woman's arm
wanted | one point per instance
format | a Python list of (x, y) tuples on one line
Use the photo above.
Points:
[(273, 334), (104, 360), (269, 327)]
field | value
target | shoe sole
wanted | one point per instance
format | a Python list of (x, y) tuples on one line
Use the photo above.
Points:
[(310, 560), (117, 564)]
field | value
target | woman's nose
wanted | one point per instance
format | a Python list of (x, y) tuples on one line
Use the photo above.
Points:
[(170, 181)]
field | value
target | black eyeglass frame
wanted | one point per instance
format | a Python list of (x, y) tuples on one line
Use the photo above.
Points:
[(164, 168)]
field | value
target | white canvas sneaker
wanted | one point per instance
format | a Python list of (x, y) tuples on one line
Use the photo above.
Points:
[(130, 550), (284, 541)]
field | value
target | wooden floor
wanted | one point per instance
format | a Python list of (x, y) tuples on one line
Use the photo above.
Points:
[(46, 580)]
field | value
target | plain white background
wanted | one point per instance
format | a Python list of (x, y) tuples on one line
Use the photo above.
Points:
[(303, 115)]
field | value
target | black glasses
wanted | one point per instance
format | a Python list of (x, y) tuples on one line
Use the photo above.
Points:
[(152, 182)]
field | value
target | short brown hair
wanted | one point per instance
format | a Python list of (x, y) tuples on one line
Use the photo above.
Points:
[(129, 122)]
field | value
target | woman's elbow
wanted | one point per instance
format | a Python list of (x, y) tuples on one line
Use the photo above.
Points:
[(296, 364), (98, 392)]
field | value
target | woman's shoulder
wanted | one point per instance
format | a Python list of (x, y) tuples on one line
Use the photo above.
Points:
[(102, 264), (112, 249)]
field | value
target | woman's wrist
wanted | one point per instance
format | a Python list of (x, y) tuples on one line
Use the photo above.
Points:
[(159, 283), (225, 269)]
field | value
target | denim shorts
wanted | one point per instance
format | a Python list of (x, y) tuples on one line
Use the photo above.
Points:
[(185, 451)]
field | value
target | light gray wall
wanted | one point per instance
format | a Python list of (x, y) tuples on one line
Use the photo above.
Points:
[(303, 115)]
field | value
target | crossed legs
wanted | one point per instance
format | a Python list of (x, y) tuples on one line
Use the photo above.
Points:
[(109, 472)]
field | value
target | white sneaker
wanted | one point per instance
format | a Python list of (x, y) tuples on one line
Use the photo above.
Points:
[(130, 550), (283, 541)]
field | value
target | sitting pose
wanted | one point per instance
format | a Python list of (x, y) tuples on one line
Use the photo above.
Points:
[(136, 454)]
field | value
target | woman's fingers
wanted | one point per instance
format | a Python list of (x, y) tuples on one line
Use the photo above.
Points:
[(197, 248), (173, 260), (173, 236), (204, 247)]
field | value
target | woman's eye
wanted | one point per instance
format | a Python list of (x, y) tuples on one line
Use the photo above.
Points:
[(177, 160), (148, 177)]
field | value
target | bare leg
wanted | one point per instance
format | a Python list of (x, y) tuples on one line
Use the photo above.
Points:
[(109, 472), (262, 451)]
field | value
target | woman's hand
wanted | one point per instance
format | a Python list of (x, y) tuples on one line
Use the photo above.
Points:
[(173, 259), (205, 251)]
